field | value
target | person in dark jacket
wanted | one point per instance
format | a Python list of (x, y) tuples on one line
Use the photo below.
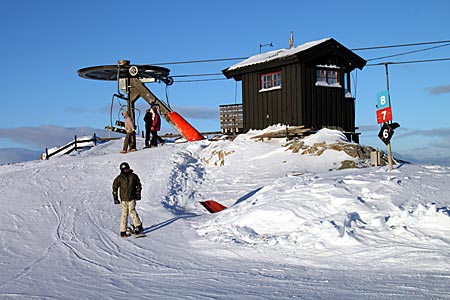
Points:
[(148, 119), (128, 186), (152, 125)]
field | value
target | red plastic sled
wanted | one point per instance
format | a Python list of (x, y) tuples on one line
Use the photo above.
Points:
[(212, 206)]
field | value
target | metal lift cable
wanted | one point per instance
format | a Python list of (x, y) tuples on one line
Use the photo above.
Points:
[(167, 95)]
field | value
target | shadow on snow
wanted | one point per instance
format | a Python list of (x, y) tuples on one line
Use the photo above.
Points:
[(168, 222)]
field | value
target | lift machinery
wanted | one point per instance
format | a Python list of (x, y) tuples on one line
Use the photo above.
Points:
[(130, 79)]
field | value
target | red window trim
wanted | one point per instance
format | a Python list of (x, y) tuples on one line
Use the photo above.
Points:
[(327, 75), (272, 83)]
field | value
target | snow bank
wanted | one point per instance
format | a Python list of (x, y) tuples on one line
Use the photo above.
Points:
[(298, 205)]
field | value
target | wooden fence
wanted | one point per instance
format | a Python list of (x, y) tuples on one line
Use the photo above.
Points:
[(76, 145), (231, 118)]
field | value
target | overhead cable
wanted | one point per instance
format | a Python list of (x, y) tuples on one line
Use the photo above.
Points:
[(198, 61), (400, 45), (408, 62), (193, 75), (354, 49), (409, 52), (197, 80)]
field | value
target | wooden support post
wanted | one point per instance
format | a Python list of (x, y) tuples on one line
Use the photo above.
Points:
[(386, 65), (389, 156)]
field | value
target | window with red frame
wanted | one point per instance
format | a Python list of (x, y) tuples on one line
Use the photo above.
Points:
[(329, 76), (270, 80)]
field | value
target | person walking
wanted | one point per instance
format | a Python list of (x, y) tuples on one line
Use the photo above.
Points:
[(128, 186), (129, 144)]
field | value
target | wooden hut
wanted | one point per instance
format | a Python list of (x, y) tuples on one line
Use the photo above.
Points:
[(306, 85)]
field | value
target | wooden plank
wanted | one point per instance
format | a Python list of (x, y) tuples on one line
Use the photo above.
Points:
[(290, 131)]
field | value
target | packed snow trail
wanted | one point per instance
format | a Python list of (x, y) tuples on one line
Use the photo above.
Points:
[(59, 237)]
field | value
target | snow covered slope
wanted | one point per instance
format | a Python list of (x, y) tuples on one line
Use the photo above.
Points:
[(295, 227)]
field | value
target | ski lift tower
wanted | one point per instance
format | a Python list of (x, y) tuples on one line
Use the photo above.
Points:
[(131, 80)]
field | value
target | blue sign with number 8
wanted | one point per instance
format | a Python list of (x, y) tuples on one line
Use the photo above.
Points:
[(383, 100)]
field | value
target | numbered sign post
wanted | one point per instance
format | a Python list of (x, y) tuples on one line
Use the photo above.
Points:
[(384, 115), (386, 133), (383, 100), (384, 112), (387, 98)]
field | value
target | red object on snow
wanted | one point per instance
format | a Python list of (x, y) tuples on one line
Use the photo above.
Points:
[(186, 129), (212, 206)]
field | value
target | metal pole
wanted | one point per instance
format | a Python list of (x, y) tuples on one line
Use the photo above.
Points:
[(389, 98)]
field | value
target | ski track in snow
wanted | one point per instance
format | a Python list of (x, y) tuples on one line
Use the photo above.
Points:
[(68, 245)]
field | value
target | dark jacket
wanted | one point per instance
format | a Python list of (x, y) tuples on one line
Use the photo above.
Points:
[(130, 187), (148, 119), (152, 119)]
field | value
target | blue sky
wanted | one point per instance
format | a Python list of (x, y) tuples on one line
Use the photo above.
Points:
[(45, 103)]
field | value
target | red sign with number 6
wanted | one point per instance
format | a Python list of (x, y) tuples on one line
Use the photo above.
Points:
[(384, 115)]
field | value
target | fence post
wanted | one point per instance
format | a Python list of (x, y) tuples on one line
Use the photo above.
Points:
[(95, 139), (75, 143), (46, 153)]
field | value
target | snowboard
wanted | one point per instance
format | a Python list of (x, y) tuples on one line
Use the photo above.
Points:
[(132, 232)]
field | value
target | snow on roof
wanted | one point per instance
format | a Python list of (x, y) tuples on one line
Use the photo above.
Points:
[(276, 54)]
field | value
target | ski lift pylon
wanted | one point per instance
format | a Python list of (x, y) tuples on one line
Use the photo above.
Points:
[(130, 79)]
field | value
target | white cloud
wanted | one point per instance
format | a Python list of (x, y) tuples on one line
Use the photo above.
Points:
[(430, 146), (84, 110), (28, 143), (14, 155), (199, 112), (46, 135), (436, 90)]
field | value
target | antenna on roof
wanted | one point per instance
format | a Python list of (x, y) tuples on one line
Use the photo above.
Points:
[(261, 45), (291, 40)]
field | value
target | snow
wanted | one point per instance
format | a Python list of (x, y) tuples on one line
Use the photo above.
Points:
[(324, 83), (296, 227), (276, 54)]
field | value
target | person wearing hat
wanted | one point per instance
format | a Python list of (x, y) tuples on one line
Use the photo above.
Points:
[(129, 144), (128, 186)]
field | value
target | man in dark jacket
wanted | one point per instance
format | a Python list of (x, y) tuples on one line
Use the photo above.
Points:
[(148, 119), (129, 187)]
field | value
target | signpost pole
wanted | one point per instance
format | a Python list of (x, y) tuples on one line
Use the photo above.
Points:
[(389, 97)]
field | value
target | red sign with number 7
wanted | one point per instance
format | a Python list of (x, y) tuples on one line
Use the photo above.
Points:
[(384, 115)]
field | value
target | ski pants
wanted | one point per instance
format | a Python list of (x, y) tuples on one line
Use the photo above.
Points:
[(155, 138), (129, 142), (128, 208)]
